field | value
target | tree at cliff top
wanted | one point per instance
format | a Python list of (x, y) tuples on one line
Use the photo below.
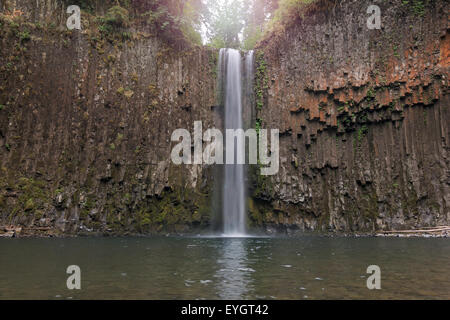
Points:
[(289, 10), (266, 16), (225, 22), (173, 18), (260, 12), (236, 23)]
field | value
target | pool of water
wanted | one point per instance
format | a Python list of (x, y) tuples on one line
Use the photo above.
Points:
[(309, 267)]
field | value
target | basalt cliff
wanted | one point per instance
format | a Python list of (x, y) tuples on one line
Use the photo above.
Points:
[(86, 120)]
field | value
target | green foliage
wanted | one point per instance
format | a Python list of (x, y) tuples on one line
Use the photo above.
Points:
[(417, 6), (190, 22), (14, 26), (217, 42), (370, 94), (288, 11), (258, 126), (252, 35), (191, 34), (29, 205), (105, 29), (174, 207), (213, 62), (86, 5), (24, 36), (362, 132), (174, 20), (32, 194), (117, 17), (261, 79), (114, 22), (237, 23), (396, 54), (161, 17), (226, 22)]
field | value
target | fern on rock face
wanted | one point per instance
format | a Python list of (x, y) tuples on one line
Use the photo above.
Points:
[(118, 17), (177, 21)]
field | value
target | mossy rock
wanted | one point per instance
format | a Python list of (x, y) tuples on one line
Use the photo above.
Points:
[(29, 205), (255, 214), (118, 17)]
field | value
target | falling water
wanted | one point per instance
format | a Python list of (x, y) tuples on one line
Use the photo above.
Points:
[(249, 77), (234, 189)]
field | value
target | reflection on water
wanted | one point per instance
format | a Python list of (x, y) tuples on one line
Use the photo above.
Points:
[(224, 268), (234, 276)]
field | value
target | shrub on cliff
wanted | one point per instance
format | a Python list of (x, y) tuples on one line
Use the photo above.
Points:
[(175, 21), (117, 17), (86, 5), (114, 22), (290, 11)]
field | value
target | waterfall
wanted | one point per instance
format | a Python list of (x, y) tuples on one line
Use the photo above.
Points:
[(236, 95), (249, 112), (249, 77), (233, 197)]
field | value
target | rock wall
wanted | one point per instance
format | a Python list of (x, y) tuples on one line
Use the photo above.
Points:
[(85, 128), (86, 121), (364, 119)]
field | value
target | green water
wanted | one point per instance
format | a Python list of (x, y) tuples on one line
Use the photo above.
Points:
[(217, 268)]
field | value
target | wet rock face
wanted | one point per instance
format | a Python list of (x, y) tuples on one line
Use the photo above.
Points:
[(85, 132), (85, 125), (363, 116)]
